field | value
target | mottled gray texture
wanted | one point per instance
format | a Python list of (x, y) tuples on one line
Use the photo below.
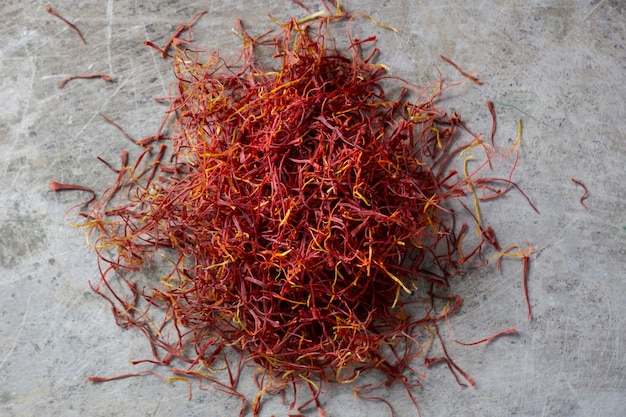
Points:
[(560, 66)]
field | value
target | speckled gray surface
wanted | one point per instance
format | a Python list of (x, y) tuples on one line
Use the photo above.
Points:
[(560, 66)]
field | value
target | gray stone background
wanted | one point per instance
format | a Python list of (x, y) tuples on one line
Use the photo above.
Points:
[(560, 66)]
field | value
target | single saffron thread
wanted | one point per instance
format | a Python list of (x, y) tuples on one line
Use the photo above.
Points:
[(70, 24), (105, 77), (585, 192), (465, 74)]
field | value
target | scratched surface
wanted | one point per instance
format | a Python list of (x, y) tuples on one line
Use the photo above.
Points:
[(560, 68)]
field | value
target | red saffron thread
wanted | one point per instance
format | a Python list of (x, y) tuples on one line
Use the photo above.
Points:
[(58, 186), (463, 73), (175, 40), (70, 24), (523, 254), (492, 112), (585, 192), (105, 77), (112, 123)]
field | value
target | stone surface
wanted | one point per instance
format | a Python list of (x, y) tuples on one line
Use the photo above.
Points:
[(560, 66)]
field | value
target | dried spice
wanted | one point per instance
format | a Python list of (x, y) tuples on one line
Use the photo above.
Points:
[(304, 212), (585, 192), (67, 22)]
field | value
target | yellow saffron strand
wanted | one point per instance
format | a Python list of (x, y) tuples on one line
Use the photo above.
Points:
[(475, 196)]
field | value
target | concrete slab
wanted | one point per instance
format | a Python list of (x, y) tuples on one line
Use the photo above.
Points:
[(560, 66)]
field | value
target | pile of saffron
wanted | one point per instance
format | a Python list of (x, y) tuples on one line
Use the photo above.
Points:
[(304, 212)]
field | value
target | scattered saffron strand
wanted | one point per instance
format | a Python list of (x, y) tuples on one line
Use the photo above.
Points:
[(492, 112), (123, 376), (155, 46), (487, 339), (585, 192), (299, 3), (452, 366), (474, 195), (526, 261), (105, 77), (112, 123), (465, 74), (525, 255), (70, 24), (179, 31), (58, 186)]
